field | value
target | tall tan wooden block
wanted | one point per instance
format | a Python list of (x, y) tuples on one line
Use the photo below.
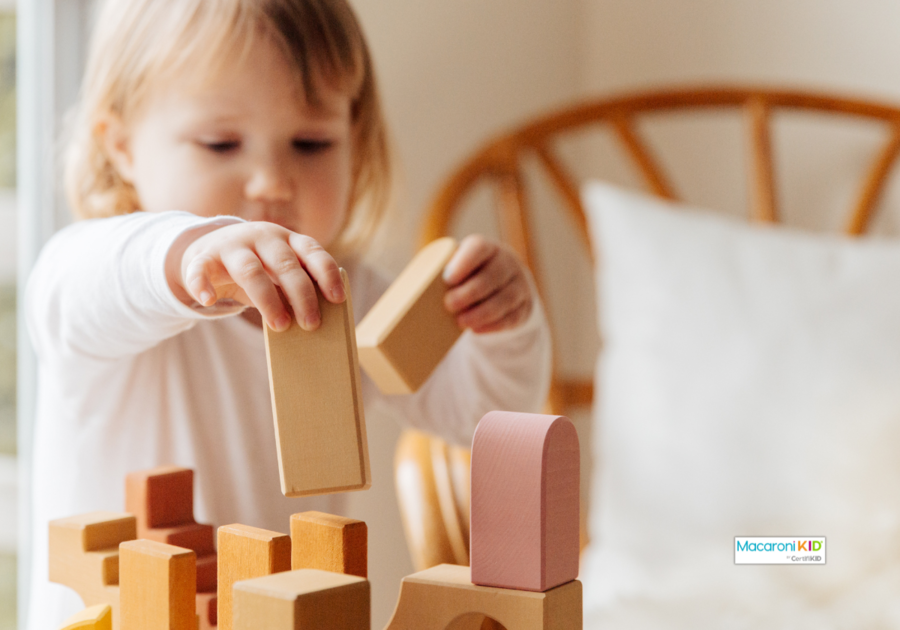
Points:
[(247, 552), (408, 330), (158, 586), (320, 428), (84, 555), (97, 617), (525, 480), (330, 543), (307, 599), (432, 599)]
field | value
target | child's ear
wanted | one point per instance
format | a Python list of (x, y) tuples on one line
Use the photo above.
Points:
[(113, 134)]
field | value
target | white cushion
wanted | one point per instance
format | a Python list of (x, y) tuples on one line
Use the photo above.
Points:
[(749, 385)]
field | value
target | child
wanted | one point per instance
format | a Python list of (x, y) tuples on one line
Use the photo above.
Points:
[(223, 149)]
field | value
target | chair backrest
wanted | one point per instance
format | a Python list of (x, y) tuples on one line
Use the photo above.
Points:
[(500, 162)]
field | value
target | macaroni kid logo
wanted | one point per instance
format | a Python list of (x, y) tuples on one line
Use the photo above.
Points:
[(779, 550)]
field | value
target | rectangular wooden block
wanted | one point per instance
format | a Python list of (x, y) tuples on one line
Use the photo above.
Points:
[(320, 429), (330, 543), (158, 586), (160, 497), (525, 501), (302, 600), (408, 331), (247, 552), (198, 537)]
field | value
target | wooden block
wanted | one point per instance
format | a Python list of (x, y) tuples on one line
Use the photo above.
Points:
[(408, 331), (320, 429), (159, 586), (307, 599), (160, 497), (330, 543), (207, 570), (97, 617), (247, 552), (444, 597), (84, 555), (525, 492), (198, 537)]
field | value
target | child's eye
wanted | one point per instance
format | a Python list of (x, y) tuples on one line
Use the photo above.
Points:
[(223, 146), (312, 146)]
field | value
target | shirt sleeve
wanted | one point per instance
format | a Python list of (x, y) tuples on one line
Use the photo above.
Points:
[(508, 370), (99, 289)]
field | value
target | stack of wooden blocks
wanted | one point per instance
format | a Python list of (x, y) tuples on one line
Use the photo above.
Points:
[(524, 554)]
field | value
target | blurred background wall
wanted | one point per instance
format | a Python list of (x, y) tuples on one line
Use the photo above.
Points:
[(455, 72)]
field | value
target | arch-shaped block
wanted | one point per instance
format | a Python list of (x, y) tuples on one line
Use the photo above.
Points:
[(434, 598), (525, 494)]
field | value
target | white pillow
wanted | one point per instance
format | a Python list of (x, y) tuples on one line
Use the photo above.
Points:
[(749, 385)]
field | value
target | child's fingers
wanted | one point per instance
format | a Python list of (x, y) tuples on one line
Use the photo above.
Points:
[(320, 266), (283, 265), (198, 279), (510, 320), (496, 308), (490, 279), (473, 252), (246, 269)]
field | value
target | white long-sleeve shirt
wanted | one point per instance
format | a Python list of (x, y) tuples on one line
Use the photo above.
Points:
[(131, 378)]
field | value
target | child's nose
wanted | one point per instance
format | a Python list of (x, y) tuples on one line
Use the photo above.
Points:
[(269, 182)]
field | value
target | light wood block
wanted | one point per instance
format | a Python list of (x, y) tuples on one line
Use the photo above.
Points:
[(320, 428), (97, 617), (84, 555), (247, 552), (525, 494), (160, 497), (307, 599), (434, 598), (159, 586), (409, 330), (330, 543)]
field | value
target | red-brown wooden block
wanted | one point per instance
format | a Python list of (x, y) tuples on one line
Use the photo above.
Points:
[(160, 497), (525, 480)]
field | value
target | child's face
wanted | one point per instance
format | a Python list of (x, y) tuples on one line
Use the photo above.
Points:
[(246, 144)]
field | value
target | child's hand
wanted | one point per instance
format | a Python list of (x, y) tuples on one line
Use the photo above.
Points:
[(247, 261), (488, 287)]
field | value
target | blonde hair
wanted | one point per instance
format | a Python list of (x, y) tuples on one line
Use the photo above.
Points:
[(137, 44)]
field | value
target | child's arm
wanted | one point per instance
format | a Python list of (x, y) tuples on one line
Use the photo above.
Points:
[(100, 288)]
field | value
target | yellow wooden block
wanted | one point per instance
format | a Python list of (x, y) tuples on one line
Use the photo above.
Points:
[(158, 586), (97, 617), (330, 543), (432, 599), (320, 428), (247, 552), (84, 555), (408, 331), (307, 599)]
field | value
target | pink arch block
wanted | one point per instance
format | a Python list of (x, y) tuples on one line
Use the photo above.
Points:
[(525, 492)]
